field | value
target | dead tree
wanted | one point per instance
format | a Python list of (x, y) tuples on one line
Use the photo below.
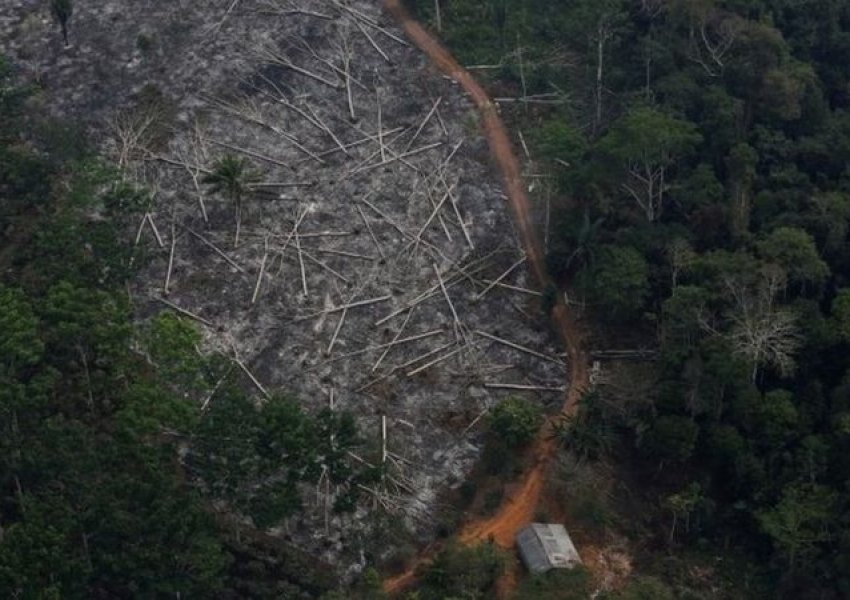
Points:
[(62, 11), (711, 36), (132, 133), (603, 33), (758, 330), (769, 338), (681, 256), (761, 332)]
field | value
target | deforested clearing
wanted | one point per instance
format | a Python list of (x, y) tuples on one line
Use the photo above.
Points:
[(322, 205)]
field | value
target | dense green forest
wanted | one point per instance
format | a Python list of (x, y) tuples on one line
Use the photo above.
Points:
[(131, 464), (700, 151)]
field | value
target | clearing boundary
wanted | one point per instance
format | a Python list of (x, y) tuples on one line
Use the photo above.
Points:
[(518, 508)]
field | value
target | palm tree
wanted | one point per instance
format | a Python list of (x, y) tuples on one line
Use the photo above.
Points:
[(232, 177), (585, 236), (578, 246), (587, 433), (62, 10)]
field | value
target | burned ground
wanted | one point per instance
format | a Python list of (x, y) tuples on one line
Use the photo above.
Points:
[(375, 268)]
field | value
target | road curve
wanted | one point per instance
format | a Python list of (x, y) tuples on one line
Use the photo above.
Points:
[(517, 508)]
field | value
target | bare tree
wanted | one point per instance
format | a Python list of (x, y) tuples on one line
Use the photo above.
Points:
[(681, 256), (762, 333), (599, 22), (711, 37), (769, 338), (132, 131)]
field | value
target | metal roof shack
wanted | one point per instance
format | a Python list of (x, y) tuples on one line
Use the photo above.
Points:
[(545, 546)]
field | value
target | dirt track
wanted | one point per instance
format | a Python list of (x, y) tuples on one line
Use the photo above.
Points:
[(519, 507)]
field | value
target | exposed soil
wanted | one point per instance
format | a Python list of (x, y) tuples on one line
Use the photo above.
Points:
[(519, 505)]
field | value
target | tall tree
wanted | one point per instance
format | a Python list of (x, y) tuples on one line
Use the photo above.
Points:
[(794, 250), (841, 312), (800, 521), (618, 281), (741, 167), (644, 144), (683, 504), (599, 22), (62, 11)]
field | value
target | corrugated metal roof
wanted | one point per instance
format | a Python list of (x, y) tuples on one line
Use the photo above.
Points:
[(545, 546), (531, 550)]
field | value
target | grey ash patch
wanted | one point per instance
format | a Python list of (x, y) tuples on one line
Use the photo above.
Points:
[(388, 212)]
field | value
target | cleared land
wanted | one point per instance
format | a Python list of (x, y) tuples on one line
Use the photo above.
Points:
[(374, 268)]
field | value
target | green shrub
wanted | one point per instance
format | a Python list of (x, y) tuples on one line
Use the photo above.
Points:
[(463, 572), (515, 421), (557, 584)]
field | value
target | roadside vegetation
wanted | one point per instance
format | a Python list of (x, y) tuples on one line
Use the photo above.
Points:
[(696, 154)]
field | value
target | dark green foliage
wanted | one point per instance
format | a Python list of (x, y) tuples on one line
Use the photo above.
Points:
[(232, 177), (21, 345), (367, 587), (588, 434), (514, 421), (841, 312), (703, 147), (672, 437), (642, 588), (794, 250), (269, 451), (462, 572), (802, 519), (172, 342), (641, 147), (682, 315), (577, 245), (492, 501), (82, 482), (229, 176), (557, 584), (108, 465), (618, 282)]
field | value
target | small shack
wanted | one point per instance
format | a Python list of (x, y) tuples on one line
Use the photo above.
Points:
[(545, 546)]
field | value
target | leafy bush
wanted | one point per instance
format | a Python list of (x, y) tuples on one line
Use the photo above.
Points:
[(557, 584), (463, 572), (618, 282), (515, 421)]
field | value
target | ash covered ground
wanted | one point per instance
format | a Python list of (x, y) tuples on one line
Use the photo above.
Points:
[(376, 266)]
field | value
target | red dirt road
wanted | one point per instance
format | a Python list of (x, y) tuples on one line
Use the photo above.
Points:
[(518, 508)]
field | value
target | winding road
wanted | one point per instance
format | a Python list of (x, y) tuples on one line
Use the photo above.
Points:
[(519, 507)]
